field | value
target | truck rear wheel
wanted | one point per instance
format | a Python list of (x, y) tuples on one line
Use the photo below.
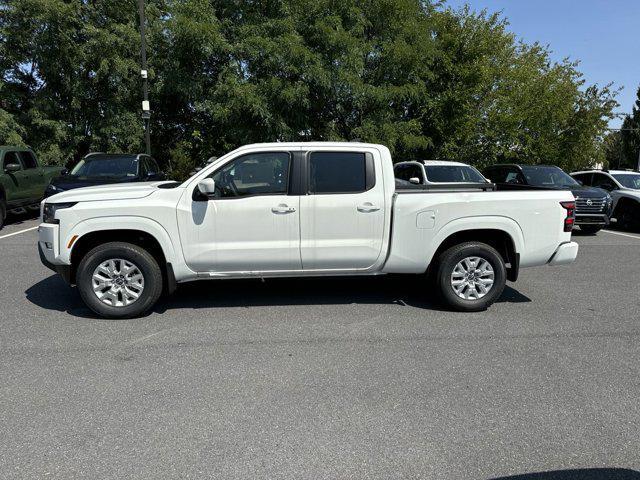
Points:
[(3, 212), (119, 280), (471, 276)]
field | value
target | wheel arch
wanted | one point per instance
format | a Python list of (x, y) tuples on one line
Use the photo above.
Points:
[(496, 238), (501, 233), (150, 236)]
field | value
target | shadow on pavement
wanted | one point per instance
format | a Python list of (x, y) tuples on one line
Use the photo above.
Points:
[(20, 218), (53, 294), (579, 474)]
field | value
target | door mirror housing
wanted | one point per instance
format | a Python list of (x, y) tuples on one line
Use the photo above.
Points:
[(12, 167), (580, 182), (155, 176), (414, 180), (207, 187), (64, 172)]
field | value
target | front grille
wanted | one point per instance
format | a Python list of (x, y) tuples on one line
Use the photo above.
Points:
[(591, 205)]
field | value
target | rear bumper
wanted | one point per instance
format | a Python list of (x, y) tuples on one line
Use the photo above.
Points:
[(565, 254)]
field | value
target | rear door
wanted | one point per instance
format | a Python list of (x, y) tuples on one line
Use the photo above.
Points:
[(35, 174), (342, 216)]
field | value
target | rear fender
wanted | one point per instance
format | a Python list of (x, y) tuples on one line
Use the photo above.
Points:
[(505, 224)]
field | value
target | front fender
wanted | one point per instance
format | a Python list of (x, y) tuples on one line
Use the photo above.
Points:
[(142, 224)]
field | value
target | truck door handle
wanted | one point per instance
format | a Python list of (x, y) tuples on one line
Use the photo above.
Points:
[(368, 207), (283, 208)]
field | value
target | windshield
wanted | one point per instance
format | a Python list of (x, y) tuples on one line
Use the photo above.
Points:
[(547, 177), (628, 180), (106, 167), (453, 173)]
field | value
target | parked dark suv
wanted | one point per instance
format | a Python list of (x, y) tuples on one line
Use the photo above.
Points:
[(593, 205), (104, 168)]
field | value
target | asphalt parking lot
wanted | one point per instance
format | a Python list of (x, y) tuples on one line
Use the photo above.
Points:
[(346, 378)]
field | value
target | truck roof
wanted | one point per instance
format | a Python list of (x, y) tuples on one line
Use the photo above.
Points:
[(312, 144), (14, 148)]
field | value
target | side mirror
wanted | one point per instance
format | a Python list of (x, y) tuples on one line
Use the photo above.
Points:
[(580, 182), (414, 180), (64, 172), (12, 167), (207, 186)]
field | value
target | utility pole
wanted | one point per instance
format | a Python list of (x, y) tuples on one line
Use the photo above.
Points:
[(146, 109)]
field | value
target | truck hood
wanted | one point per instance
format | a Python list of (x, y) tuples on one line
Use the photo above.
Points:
[(118, 191), (584, 191), (69, 182)]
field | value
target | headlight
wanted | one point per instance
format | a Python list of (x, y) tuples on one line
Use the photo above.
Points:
[(49, 211)]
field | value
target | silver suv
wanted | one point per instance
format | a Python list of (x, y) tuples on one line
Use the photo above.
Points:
[(624, 187)]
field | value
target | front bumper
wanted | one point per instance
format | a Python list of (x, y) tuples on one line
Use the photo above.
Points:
[(592, 219), (49, 250), (565, 254)]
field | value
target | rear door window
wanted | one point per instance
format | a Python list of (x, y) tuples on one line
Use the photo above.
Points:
[(339, 172), (29, 160), (496, 174)]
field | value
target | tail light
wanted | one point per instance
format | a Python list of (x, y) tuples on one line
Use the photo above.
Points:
[(570, 219)]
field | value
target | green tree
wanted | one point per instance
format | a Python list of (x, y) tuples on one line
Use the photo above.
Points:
[(630, 136), (496, 99), (425, 80)]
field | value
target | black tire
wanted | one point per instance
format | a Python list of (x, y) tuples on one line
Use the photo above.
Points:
[(590, 229), (447, 263), (142, 259), (3, 212), (628, 215)]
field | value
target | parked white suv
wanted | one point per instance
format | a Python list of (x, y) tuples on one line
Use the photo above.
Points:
[(624, 188), (434, 172), (298, 209)]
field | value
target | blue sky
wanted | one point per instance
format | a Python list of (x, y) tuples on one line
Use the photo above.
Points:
[(603, 34)]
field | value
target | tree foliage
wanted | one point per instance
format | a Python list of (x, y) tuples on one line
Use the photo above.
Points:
[(622, 148), (428, 81)]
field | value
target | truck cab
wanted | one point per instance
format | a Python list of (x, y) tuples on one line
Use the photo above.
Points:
[(22, 179)]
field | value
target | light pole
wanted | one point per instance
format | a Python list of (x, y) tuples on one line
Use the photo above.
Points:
[(146, 109)]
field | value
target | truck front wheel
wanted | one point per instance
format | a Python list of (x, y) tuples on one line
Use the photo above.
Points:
[(119, 280), (471, 276)]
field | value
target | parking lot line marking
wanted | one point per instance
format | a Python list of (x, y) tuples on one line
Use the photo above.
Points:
[(622, 234), (17, 233)]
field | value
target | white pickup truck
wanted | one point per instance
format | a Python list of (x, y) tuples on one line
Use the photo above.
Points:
[(299, 209)]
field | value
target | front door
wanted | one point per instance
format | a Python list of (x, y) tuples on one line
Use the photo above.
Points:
[(251, 223), (342, 217), (20, 184)]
